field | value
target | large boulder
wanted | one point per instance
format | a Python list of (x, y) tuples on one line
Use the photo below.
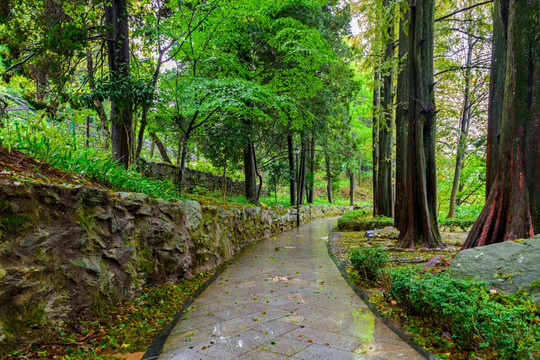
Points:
[(506, 266)]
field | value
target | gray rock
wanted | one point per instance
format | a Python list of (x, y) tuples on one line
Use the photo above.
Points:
[(193, 213), (121, 255), (132, 201), (506, 266)]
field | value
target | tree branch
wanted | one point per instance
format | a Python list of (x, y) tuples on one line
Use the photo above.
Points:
[(462, 10)]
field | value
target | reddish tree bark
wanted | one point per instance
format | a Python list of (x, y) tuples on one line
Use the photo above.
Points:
[(496, 88), (512, 208), (419, 226)]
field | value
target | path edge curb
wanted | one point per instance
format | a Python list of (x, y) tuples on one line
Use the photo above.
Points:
[(365, 297), (155, 347)]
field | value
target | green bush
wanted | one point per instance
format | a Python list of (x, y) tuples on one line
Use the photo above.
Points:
[(361, 220), (453, 224), (472, 315), (368, 262)]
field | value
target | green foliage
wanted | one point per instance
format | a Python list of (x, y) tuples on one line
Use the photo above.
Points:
[(360, 220), (472, 315), (368, 262), (56, 145)]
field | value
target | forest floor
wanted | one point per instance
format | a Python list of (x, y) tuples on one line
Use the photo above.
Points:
[(125, 332), (434, 340)]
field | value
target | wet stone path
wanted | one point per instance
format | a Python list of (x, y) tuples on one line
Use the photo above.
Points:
[(283, 298)]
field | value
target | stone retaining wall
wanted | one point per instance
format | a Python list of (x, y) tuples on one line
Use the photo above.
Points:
[(68, 251), (192, 178)]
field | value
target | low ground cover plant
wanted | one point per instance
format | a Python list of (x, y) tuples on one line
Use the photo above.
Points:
[(474, 316), (368, 262)]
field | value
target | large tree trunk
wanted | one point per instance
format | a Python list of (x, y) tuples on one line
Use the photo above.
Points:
[(375, 138), (292, 170), (116, 19), (249, 172), (496, 88), (512, 208), (328, 178), (384, 194), (420, 227), (161, 148), (402, 94), (463, 132)]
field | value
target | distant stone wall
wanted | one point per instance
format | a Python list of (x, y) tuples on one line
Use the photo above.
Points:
[(192, 178), (69, 251)]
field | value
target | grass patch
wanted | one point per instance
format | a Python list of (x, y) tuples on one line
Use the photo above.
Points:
[(130, 327), (361, 220)]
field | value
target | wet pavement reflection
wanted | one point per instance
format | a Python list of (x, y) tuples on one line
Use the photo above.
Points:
[(283, 298)]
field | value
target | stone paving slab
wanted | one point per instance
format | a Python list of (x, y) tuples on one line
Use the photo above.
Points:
[(283, 298)]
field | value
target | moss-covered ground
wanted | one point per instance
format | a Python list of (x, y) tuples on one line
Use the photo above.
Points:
[(124, 332)]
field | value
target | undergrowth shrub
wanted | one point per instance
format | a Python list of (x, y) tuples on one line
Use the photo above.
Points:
[(368, 262), (473, 316), (360, 220)]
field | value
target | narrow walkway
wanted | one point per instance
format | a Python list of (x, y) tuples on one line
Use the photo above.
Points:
[(283, 298)]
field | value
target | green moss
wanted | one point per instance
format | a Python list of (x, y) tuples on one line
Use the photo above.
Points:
[(360, 220), (145, 264), (10, 223)]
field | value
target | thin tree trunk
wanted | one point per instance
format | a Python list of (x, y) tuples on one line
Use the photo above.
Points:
[(161, 148), (420, 227), (182, 168), (224, 185), (496, 88), (258, 174), (87, 138), (375, 139), (152, 146), (352, 187), (384, 194), (302, 175), (292, 170), (512, 208), (360, 171), (463, 132), (328, 178), (99, 106), (402, 98), (311, 178)]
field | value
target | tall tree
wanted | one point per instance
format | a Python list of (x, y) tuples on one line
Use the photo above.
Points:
[(496, 89), (402, 102), (512, 209), (375, 138), (116, 20), (463, 129), (419, 227)]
